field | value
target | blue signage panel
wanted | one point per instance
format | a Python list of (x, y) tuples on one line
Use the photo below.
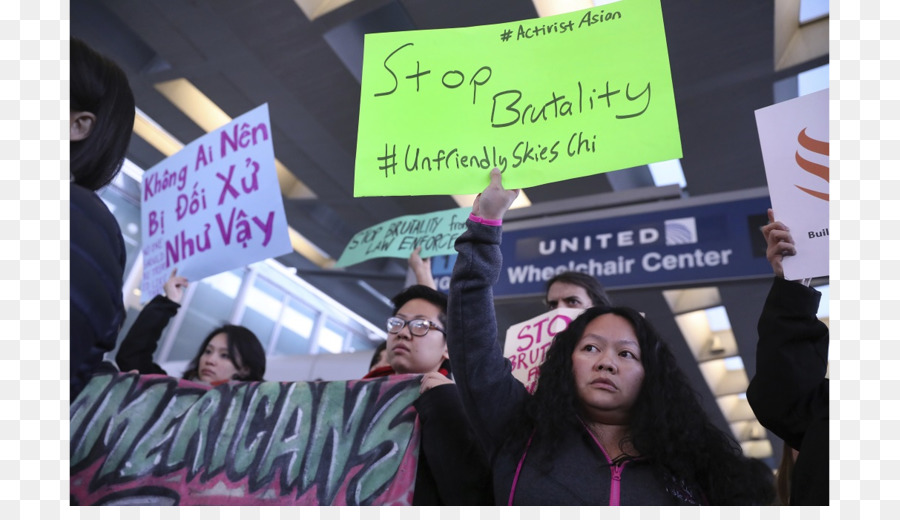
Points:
[(677, 246)]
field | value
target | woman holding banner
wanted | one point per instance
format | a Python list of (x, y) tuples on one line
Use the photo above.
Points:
[(228, 353), (613, 420)]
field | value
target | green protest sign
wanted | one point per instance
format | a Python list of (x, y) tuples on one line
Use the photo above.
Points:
[(543, 100), (436, 232)]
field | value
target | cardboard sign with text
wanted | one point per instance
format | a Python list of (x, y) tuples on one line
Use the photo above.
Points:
[(543, 100), (435, 232), (214, 206), (794, 140), (527, 342)]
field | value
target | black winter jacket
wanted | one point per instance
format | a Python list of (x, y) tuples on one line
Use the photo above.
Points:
[(452, 468), (97, 265), (139, 345), (789, 393)]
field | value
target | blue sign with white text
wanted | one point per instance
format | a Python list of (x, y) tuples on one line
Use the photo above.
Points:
[(678, 246)]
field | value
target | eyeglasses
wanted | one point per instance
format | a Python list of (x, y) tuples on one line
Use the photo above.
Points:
[(417, 327)]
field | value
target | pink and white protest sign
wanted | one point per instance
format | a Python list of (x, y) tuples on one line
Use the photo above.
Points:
[(527, 342), (214, 206)]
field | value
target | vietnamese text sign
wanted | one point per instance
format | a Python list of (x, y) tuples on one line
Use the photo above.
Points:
[(543, 100), (435, 232), (699, 242), (527, 342), (157, 440), (794, 140), (214, 206)]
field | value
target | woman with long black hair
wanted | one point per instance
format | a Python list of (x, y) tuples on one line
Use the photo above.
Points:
[(613, 421), (229, 352)]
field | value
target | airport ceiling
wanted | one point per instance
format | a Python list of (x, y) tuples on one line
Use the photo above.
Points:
[(242, 53)]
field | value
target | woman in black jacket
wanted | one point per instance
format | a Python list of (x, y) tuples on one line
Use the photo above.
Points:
[(229, 352), (613, 420)]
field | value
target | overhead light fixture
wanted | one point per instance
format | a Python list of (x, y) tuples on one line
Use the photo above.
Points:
[(715, 345), (150, 131), (310, 250), (316, 8), (208, 116)]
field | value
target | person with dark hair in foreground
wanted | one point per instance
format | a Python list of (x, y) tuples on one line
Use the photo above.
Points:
[(613, 420), (452, 468), (379, 356), (101, 120), (789, 392), (228, 353), (574, 290)]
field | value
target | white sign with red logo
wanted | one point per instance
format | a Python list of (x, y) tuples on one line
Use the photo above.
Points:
[(794, 140), (527, 343)]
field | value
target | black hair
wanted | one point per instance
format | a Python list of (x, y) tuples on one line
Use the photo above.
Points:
[(590, 284), (376, 356), (668, 426), (244, 349), (422, 292), (99, 86), (433, 296)]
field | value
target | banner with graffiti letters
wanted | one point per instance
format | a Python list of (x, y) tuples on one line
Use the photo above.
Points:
[(794, 138), (214, 206), (157, 440), (527, 342)]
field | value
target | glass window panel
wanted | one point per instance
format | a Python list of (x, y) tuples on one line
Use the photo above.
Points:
[(331, 337), (128, 215), (358, 342), (812, 10), (296, 329), (210, 307), (812, 80), (262, 307)]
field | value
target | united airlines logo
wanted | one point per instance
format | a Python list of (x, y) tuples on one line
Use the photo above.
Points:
[(681, 231), (818, 150)]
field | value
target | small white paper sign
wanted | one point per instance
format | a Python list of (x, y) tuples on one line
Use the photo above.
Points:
[(214, 206), (794, 140), (527, 343)]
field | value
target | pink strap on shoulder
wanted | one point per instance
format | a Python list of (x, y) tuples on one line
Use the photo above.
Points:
[(512, 491)]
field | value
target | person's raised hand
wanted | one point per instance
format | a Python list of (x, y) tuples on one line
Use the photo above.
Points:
[(493, 202), (421, 267), (175, 286), (433, 379), (779, 243)]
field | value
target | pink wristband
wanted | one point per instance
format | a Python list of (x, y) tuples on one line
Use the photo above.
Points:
[(485, 221)]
